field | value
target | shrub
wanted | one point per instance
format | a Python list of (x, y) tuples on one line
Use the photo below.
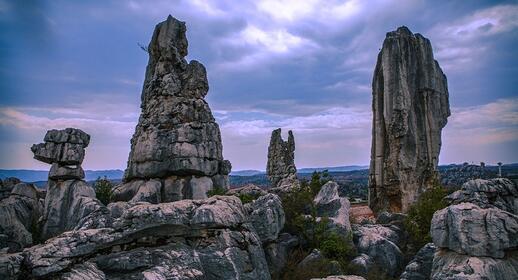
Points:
[(103, 190), (247, 198), (216, 191), (419, 218)]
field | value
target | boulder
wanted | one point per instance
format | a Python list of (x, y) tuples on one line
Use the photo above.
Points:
[(468, 229), (317, 261), (19, 214), (420, 267), (410, 109), (267, 216), (277, 253), (500, 193), (248, 190), (449, 265), (362, 264), (71, 205), (329, 204), (63, 172), (149, 191), (7, 185), (176, 136), (10, 266), (380, 244), (280, 167)]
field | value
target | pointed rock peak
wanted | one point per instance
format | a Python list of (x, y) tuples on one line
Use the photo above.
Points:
[(402, 31), (169, 33)]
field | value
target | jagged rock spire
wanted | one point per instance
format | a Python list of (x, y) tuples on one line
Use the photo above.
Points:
[(281, 158), (177, 142)]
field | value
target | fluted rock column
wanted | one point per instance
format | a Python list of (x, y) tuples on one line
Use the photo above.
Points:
[(410, 107)]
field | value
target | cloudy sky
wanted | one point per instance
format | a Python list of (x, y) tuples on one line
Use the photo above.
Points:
[(300, 65)]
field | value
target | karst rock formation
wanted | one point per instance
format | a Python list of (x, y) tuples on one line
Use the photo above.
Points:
[(176, 151), (410, 108), (69, 202), (280, 167)]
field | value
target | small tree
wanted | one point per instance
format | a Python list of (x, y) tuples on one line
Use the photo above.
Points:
[(419, 218), (103, 189)]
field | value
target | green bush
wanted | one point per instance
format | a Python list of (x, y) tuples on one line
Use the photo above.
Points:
[(103, 190), (419, 218), (216, 191), (247, 198)]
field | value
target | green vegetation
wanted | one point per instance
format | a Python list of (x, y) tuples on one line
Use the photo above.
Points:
[(216, 191), (247, 198), (301, 220), (103, 190), (419, 218)]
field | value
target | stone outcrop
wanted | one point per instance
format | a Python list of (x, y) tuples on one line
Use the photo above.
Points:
[(278, 252), (69, 205), (177, 142), (380, 244), (69, 202), (280, 168), (477, 234), (420, 267), (188, 239), (65, 150), (19, 214), (410, 108), (7, 185), (329, 204), (267, 217)]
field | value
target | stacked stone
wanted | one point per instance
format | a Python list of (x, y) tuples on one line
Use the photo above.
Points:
[(176, 151), (70, 202), (280, 167), (65, 150), (410, 108)]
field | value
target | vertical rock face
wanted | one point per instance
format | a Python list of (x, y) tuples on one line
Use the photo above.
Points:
[(281, 159), (177, 138), (410, 108)]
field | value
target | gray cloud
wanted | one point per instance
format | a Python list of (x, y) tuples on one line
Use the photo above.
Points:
[(301, 65)]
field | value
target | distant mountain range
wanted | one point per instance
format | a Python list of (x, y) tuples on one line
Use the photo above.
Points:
[(116, 174), (42, 175), (303, 170)]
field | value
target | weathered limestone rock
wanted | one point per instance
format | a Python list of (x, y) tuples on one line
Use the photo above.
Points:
[(267, 217), (481, 220), (329, 204), (65, 150), (500, 193), (477, 234), (19, 214), (410, 108), (468, 229), (277, 253), (72, 205), (380, 244), (7, 185), (188, 239), (420, 267), (248, 190), (176, 136), (362, 264), (448, 265), (280, 167)]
